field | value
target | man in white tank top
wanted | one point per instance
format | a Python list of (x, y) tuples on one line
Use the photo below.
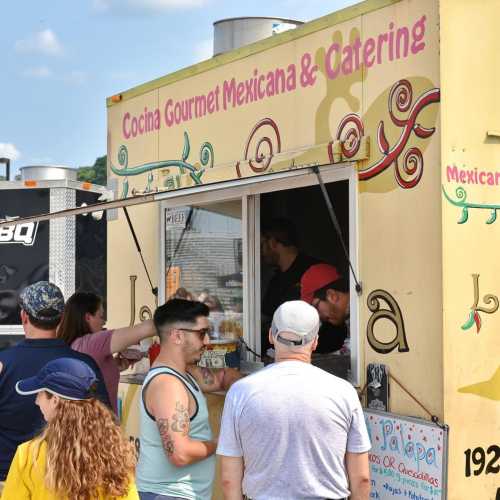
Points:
[(293, 431), (176, 446)]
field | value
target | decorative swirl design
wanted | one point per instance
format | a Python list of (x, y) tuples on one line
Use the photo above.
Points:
[(145, 313), (413, 167), (350, 140), (489, 299), (461, 194), (206, 159), (123, 156), (401, 96), (207, 155), (264, 150)]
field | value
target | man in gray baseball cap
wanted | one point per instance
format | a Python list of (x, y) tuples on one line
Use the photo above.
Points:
[(313, 441), (42, 306)]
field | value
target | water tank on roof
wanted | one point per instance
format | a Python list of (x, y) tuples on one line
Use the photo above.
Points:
[(48, 173), (235, 32)]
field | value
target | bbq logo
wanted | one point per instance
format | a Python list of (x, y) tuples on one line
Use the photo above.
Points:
[(22, 234)]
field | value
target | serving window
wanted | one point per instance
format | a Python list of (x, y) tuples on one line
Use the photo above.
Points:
[(214, 250), (204, 261)]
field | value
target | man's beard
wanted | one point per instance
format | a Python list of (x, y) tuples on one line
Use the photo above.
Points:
[(192, 355)]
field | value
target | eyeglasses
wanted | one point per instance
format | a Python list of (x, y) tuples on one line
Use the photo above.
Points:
[(201, 332)]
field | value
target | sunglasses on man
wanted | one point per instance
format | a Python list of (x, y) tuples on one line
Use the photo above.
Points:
[(201, 332)]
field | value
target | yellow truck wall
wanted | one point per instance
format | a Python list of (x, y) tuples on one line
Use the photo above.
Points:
[(470, 115)]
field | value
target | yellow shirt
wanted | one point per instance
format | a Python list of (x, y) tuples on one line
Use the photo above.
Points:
[(26, 479)]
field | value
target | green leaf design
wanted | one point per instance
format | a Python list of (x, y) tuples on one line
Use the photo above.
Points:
[(185, 151), (477, 320), (196, 172), (493, 217), (196, 176), (125, 188), (150, 182), (470, 322), (465, 216)]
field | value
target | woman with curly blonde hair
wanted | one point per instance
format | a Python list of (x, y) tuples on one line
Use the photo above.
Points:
[(81, 454)]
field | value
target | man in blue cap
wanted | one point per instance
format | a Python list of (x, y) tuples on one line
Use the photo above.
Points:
[(42, 306)]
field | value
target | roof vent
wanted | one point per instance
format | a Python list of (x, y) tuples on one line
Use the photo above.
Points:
[(233, 33), (48, 173)]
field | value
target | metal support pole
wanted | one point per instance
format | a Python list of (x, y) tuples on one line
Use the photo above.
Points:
[(336, 225), (154, 289)]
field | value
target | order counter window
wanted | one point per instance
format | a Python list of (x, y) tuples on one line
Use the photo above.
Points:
[(284, 230), (297, 237)]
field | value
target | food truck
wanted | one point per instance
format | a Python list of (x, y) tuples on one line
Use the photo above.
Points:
[(383, 117), (394, 104)]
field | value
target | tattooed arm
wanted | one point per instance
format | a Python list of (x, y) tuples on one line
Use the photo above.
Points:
[(168, 401), (212, 380)]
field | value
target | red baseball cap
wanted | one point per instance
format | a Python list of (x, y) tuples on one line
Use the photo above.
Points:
[(315, 278)]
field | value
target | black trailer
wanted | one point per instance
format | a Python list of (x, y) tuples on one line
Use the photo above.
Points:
[(70, 251)]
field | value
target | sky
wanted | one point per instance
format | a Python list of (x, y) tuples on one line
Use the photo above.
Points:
[(61, 59)]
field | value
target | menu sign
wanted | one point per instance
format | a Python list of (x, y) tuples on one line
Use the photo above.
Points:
[(408, 458)]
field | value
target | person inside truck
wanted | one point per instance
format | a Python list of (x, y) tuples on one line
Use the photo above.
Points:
[(327, 290), (280, 250), (82, 328)]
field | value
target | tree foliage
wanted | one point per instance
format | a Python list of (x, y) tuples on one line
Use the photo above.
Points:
[(97, 174)]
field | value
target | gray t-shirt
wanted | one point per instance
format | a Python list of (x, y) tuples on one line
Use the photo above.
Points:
[(292, 423)]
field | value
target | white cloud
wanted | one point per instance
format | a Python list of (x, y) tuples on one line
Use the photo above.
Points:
[(8, 150), (44, 42), (145, 5), (38, 72), (204, 49)]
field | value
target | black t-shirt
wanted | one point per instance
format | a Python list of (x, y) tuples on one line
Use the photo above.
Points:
[(285, 286)]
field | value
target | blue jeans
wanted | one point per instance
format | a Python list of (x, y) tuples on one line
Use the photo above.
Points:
[(154, 496)]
